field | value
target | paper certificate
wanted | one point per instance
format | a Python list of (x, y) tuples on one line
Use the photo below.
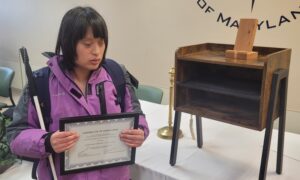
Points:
[(99, 144)]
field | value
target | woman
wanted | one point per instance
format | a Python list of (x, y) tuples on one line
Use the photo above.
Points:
[(76, 69)]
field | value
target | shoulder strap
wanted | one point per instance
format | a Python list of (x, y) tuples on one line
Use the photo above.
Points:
[(41, 78), (117, 75)]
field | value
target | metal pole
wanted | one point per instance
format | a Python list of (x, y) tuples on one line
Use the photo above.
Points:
[(167, 131)]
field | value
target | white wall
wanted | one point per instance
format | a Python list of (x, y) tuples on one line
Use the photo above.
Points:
[(145, 34)]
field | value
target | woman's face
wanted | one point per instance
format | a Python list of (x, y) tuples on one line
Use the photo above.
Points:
[(89, 52)]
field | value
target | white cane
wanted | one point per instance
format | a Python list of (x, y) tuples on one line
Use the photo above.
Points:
[(25, 58)]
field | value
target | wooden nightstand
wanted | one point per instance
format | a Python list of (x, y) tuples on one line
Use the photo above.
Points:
[(247, 93)]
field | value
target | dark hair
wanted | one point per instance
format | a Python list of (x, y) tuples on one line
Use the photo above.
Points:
[(73, 28)]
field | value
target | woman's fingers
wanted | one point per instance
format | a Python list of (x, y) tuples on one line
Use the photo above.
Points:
[(61, 141), (133, 137), (65, 137)]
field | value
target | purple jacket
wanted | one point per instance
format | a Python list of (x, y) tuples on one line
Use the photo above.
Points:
[(26, 138)]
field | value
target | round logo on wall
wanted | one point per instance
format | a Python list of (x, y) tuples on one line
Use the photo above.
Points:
[(279, 20)]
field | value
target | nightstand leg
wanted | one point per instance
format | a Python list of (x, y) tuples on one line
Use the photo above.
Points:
[(281, 127), (269, 128), (266, 150), (199, 131), (175, 138), (278, 76)]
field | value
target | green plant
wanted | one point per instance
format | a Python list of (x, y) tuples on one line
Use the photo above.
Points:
[(7, 159)]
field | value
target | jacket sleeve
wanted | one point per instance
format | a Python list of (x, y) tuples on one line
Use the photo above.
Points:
[(132, 103), (24, 134)]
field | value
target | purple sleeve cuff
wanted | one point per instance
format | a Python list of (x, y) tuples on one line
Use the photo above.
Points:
[(143, 125), (30, 143)]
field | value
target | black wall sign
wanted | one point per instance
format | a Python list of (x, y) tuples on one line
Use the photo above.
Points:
[(291, 15)]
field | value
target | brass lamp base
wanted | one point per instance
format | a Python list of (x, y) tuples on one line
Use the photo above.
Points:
[(167, 132)]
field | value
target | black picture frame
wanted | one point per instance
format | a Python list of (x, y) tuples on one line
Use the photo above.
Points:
[(66, 123)]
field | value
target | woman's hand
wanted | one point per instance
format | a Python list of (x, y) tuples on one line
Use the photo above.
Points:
[(133, 137), (62, 141)]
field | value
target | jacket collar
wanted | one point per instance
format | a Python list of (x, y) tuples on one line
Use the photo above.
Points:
[(63, 76)]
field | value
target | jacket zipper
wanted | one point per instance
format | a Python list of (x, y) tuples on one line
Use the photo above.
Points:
[(84, 95)]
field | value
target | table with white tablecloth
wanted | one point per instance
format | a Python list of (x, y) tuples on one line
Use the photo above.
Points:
[(229, 152)]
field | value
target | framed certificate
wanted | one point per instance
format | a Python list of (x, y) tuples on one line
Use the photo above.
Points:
[(99, 144)]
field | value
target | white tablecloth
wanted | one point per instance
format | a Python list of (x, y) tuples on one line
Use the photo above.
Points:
[(229, 152)]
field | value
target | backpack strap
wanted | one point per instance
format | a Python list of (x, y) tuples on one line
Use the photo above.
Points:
[(101, 95), (41, 78), (117, 75)]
